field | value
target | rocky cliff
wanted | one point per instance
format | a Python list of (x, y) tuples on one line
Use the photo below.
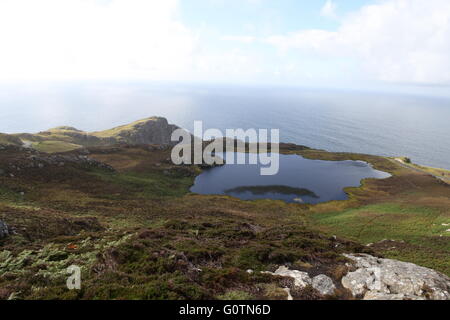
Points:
[(154, 130), (372, 278)]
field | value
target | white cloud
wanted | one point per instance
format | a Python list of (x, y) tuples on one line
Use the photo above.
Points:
[(393, 40), (329, 9), (71, 39), (242, 39)]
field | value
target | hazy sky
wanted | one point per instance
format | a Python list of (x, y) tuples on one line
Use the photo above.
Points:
[(345, 43)]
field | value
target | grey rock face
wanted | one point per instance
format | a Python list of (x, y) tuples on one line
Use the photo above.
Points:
[(154, 131), (386, 279), (323, 284), (4, 230)]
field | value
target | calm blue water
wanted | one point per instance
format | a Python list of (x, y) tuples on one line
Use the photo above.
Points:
[(298, 180), (383, 124)]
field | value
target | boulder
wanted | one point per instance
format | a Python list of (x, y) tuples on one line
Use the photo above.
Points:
[(323, 284), (4, 230), (301, 279), (385, 279)]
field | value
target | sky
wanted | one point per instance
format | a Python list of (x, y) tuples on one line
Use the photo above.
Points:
[(329, 43)]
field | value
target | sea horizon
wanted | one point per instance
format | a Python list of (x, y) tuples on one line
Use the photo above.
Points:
[(338, 120)]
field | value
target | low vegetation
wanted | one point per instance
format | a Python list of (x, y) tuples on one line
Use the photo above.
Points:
[(9, 139), (138, 233)]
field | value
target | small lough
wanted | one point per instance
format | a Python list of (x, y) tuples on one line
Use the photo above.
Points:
[(298, 180)]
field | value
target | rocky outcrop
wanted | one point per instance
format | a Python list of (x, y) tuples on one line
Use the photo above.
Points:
[(375, 278), (322, 283), (301, 279), (154, 130), (385, 279)]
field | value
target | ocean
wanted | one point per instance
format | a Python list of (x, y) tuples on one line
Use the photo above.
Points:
[(386, 124)]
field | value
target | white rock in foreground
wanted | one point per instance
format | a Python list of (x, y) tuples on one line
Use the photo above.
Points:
[(301, 279), (386, 279), (321, 283)]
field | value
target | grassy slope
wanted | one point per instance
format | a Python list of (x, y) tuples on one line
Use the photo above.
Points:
[(9, 139), (51, 146), (438, 172), (54, 140), (411, 208), (138, 233), (114, 132), (62, 139), (415, 233)]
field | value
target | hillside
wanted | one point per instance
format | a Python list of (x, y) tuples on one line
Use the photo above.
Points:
[(8, 139), (153, 130), (125, 215)]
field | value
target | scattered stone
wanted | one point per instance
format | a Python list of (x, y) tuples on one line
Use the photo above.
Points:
[(40, 161), (4, 230), (323, 284), (301, 279), (250, 271), (377, 278)]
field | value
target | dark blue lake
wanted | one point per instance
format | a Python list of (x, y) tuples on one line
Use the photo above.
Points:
[(298, 180)]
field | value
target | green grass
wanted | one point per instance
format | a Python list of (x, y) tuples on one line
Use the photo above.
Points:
[(421, 229), (52, 146), (393, 221), (148, 185), (117, 130)]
